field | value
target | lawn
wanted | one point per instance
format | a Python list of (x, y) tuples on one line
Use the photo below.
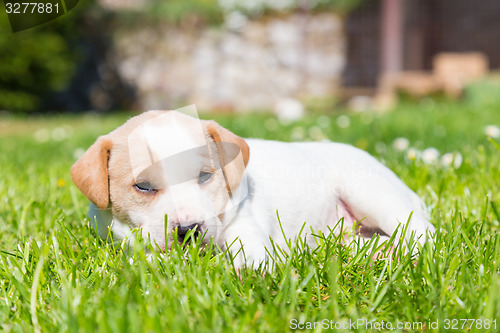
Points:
[(55, 275)]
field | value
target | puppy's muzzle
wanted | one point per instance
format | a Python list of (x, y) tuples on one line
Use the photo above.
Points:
[(182, 231)]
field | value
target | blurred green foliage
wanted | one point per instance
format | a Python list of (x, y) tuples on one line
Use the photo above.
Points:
[(37, 61), (176, 11), (255, 8), (213, 11), (484, 93), (341, 6)]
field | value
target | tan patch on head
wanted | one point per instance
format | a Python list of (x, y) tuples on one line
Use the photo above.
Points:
[(232, 169), (90, 172)]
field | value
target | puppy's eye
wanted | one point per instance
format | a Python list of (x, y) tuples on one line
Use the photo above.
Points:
[(144, 187), (204, 177)]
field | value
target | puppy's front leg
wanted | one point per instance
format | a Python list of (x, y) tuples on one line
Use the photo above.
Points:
[(247, 242)]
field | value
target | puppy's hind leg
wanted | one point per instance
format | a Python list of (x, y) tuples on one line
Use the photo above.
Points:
[(384, 204)]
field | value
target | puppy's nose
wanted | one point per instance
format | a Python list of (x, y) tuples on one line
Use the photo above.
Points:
[(183, 230)]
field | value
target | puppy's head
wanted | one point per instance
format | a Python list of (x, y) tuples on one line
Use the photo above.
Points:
[(165, 163)]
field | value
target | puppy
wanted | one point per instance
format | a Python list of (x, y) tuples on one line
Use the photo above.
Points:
[(196, 175)]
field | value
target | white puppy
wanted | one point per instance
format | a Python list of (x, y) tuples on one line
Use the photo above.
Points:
[(203, 177)]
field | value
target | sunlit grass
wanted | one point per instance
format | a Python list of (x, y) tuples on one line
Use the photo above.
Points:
[(55, 275)]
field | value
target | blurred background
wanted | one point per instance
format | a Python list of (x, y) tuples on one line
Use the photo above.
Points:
[(251, 55)]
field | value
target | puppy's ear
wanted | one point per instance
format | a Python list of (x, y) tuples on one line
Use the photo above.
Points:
[(90, 172), (233, 151)]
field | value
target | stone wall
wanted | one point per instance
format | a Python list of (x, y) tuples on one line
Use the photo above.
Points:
[(249, 67)]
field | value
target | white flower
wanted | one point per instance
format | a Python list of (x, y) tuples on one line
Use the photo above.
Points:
[(492, 131), (447, 159), (323, 121), (289, 110), (452, 159), (457, 160), (430, 155), (412, 154), (42, 135), (59, 134), (343, 121), (316, 133), (298, 133), (401, 144)]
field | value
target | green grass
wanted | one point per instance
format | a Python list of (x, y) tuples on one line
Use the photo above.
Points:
[(55, 275)]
